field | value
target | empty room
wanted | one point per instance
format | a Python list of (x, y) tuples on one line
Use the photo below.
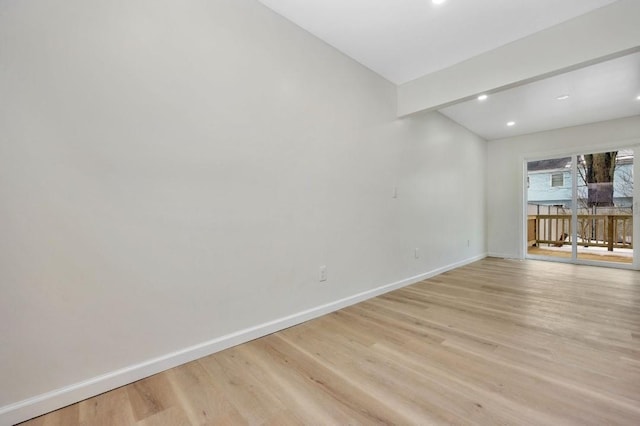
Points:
[(416, 212)]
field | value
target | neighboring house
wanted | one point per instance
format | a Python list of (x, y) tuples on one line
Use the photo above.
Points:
[(549, 182)]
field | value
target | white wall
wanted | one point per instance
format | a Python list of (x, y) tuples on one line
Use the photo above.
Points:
[(175, 171), (505, 172)]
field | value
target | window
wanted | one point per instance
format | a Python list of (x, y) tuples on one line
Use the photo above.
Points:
[(557, 179)]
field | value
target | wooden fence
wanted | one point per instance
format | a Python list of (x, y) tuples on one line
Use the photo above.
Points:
[(597, 230)]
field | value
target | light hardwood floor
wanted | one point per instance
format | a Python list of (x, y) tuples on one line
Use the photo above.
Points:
[(495, 342)]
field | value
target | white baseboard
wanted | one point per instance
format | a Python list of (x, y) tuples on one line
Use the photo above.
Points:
[(53, 400)]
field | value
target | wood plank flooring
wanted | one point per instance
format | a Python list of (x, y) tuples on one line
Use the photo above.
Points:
[(495, 342)]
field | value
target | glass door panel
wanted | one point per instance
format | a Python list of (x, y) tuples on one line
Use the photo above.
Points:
[(549, 208), (605, 206)]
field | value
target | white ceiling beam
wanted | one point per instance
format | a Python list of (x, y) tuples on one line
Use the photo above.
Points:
[(605, 33)]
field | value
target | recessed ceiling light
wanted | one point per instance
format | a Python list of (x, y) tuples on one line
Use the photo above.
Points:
[(511, 123), (638, 98), (563, 97), (438, 1), (482, 97)]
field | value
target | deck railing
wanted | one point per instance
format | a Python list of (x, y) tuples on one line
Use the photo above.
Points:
[(595, 230)]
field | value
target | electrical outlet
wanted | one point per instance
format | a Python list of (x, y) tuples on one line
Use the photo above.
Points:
[(394, 192), (416, 253), (468, 243), (323, 273)]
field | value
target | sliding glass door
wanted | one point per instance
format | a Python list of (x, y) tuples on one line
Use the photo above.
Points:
[(580, 208)]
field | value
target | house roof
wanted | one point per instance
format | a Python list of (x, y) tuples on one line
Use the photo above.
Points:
[(553, 164)]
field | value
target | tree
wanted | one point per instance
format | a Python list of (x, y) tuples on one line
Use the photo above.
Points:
[(598, 175)]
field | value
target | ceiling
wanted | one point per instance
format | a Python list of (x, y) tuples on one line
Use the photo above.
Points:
[(599, 92), (405, 39)]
